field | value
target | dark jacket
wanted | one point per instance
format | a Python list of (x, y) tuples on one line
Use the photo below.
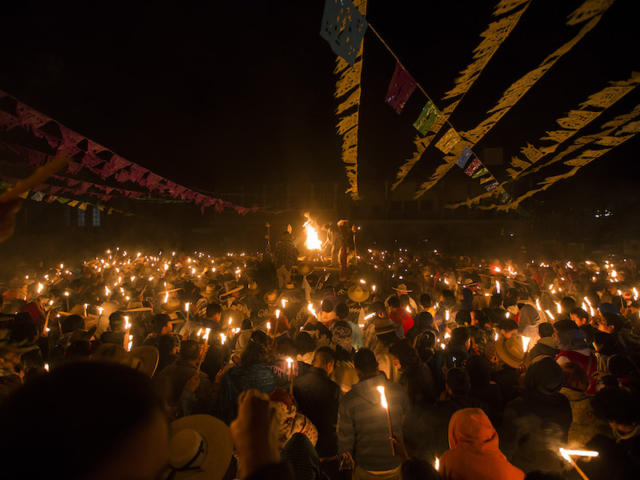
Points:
[(537, 423), (363, 429), (171, 381), (618, 459), (319, 398), (532, 427), (112, 337), (235, 381), (544, 347), (507, 379)]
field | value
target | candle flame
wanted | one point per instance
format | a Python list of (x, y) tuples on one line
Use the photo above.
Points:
[(223, 338), (447, 335), (383, 398), (525, 343), (497, 286), (580, 453), (437, 465), (549, 314), (277, 313)]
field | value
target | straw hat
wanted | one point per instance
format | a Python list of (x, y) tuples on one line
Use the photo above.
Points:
[(173, 305), (384, 325), (402, 288), (469, 283), (200, 448), (510, 350), (210, 291), (289, 286), (271, 298), (253, 286), (358, 294), (305, 269)]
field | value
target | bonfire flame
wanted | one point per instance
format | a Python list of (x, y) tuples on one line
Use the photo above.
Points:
[(313, 242)]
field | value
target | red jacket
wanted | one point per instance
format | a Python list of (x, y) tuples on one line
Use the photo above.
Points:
[(401, 316)]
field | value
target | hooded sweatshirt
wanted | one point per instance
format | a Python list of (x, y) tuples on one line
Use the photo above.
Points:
[(363, 428), (475, 452)]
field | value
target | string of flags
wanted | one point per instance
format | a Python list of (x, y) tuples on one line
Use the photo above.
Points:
[(343, 26), (80, 205), (345, 33), (95, 158), (588, 111)]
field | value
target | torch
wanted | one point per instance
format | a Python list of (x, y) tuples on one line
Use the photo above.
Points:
[(385, 405)]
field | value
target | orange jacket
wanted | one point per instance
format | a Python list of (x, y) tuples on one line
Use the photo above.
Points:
[(475, 453)]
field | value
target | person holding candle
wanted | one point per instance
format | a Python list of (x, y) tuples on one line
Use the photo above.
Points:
[(319, 398), (538, 420), (172, 379), (115, 334), (363, 427), (619, 457)]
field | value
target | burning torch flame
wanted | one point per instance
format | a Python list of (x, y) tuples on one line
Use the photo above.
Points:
[(525, 343)]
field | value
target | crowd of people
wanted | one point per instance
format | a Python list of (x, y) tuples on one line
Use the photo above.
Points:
[(387, 365)]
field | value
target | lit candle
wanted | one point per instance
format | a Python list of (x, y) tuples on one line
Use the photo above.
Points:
[(186, 308), (497, 286), (385, 405), (46, 367), (437, 465), (85, 309), (284, 302), (567, 456), (290, 363), (204, 350), (549, 314), (447, 335), (66, 294), (525, 343), (127, 327)]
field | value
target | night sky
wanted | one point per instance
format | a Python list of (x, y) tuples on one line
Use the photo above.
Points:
[(205, 93)]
